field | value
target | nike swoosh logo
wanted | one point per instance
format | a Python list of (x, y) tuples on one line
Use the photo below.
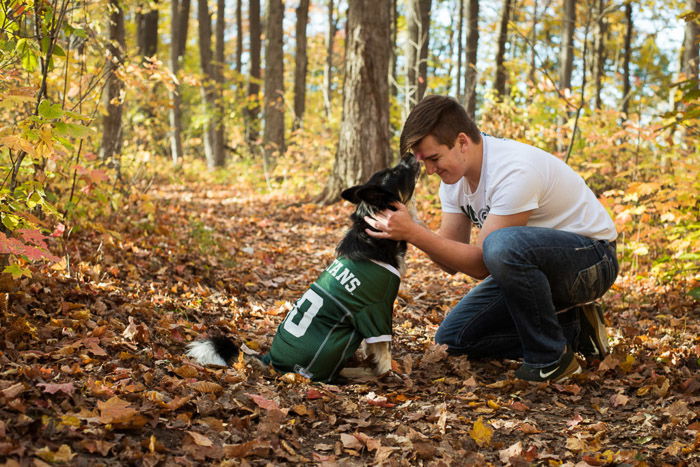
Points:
[(549, 373)]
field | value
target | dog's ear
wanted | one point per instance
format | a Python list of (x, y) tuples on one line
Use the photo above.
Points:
[(351, 194), (375, 195)]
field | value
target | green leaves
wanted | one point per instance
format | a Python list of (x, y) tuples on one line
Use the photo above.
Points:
[(50, 111)]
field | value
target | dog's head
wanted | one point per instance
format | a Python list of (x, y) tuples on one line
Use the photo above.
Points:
[(386, 186)]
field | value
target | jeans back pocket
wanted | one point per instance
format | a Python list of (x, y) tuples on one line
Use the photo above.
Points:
[(593, 282)]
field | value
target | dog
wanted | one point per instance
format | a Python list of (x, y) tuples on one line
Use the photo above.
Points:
[(350, 303)]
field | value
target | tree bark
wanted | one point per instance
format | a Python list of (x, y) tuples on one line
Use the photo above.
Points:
[(690, 60), (180, 14), (328, 69), (418, 20), (460, 52), (393, 77), (626, 88), (239, 37), (218, 70), (112, 131), (599, 55), (533, 41), (207, 89), (499, 84), (566, 54), (472, 48), (253, 105), (301, 63), (147, 30), (273, 134), (363, 146)]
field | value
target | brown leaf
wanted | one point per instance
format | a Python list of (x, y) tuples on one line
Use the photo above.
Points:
[(200, 439), (350, 441), (207, 387), (115, 410), (514, 450), (255, 447), (13, 391), (96, 445), (618, 400), (67, 388), (186, 371)]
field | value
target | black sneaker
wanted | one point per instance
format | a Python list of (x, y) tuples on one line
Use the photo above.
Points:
[(567, 366), (593, 340)]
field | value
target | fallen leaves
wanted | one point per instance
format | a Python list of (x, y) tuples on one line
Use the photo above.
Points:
[(481, 433), (92, 368)]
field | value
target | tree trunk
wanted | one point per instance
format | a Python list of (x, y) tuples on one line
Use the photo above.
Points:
[(690, 60), (253, 105), (460, 51), (301, 63), (499, 84), (599, 55), (218, 70), (207, 89), (180, 14), (626, 89), (533, 41), (472, 47), (147, 31), (328, 70), (566, 54), (393, 78), (239, 37), (418, 20), (112, 132), (273, 135), (363, 146)]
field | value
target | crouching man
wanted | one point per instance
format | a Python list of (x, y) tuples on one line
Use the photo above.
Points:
[(545, 249)]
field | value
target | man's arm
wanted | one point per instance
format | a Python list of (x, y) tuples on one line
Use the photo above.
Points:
[(448, 253), (457, 227)]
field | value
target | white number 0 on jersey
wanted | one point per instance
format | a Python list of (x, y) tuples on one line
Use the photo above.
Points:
[(315, 304)]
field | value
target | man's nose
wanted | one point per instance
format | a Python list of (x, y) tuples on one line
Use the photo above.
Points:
[(429, 168)]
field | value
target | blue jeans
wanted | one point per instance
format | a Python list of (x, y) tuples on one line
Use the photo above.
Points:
[(534, 272)]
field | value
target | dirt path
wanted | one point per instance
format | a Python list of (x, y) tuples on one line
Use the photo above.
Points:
[(92, 368)]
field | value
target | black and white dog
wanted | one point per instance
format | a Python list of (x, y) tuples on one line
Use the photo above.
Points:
[(351, 301)]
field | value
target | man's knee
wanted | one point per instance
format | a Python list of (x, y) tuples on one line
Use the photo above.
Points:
[(499, 247)]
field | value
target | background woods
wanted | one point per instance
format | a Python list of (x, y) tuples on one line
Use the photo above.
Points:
[(159, 158)]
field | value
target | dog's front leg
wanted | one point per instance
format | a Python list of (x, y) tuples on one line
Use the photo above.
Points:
[(381, 356)]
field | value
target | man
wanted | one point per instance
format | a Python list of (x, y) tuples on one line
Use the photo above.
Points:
[(546, 245)]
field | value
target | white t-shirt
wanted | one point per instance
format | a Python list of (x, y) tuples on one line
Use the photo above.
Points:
[(517, 177)]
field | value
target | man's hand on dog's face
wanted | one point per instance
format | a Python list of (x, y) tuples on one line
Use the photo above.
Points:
[(394, 225)]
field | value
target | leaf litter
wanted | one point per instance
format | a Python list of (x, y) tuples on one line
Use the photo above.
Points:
[(92, 366)]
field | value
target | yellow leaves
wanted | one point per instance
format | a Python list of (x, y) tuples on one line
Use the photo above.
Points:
[(62, 455), (481, 433)]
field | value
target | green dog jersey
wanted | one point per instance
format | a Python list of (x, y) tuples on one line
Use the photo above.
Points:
[(349, 302)]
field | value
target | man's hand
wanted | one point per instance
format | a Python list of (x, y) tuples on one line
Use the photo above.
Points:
[(394, 225)]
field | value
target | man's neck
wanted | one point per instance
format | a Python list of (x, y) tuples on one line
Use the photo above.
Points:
[(476, 158)]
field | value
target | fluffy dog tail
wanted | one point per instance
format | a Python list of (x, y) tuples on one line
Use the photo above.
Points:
[(217, 350)]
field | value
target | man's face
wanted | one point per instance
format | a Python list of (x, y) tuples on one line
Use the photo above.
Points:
[(449, 164)]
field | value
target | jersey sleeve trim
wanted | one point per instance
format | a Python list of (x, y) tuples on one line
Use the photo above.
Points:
[(388, 267), (374, 340)]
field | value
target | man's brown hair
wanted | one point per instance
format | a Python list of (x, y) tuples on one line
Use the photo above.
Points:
[(440, 116)]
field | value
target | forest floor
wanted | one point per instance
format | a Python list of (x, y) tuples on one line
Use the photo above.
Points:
[(93, 372)]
